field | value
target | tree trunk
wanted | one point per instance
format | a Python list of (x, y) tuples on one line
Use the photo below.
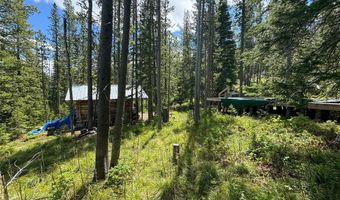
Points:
[(89, 67), (168, 61), (121, 85), (136, 54), (115, 78), (104, 76), (198, 64), (158, 63), (242, 44), (210, 48), (133, 64), (43, 83), (69, 76), (57, 71)]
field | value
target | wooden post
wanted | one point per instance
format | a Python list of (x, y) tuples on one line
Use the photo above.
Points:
[(267, 108), (317, 115), (219, 106), (288, 111), (175, 155)]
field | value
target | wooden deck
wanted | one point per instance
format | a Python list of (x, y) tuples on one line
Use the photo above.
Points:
[(324, 106), (331, 105), (214, 99)]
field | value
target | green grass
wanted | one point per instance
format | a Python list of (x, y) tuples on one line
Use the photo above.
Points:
[(226, 157)]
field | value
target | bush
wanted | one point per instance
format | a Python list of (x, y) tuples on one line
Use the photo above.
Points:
[(119, 176), (60, 187)]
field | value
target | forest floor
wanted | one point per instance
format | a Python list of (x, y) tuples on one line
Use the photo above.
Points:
[(226, 157)]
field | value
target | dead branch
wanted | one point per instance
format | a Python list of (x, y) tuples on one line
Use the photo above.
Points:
[(21, 169)]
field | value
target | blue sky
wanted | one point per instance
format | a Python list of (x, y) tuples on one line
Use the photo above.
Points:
[(40, 21)]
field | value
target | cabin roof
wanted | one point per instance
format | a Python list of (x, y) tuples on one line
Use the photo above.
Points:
[(80, 93)]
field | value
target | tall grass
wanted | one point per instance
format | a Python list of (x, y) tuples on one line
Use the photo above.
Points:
[(226, 157)]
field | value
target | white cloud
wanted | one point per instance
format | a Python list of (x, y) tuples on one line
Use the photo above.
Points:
[(176, 17), (180, 6)]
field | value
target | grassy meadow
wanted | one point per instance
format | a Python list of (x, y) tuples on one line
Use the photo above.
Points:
[(226, 157)]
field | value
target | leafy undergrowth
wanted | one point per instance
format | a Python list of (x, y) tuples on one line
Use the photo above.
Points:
[(226, 157)]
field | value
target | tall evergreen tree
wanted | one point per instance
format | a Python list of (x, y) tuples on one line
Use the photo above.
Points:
[(68, 63), (147, 59), (116, 141), (185, 86), (89, 66), (104, 76), (55, 28), (242, 35), (226, 72), (211, 48), (200, 6), (158, 63), (20, 74), (42, 51)]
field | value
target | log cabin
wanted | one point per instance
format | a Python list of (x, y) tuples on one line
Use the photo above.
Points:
[(80, 103)]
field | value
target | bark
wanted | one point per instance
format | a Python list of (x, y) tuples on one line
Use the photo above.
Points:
[(43, 83), (158, 63), (133, 65), (136, 55), (242, 44), (168, 64), (68, 63), (198, 64), (118, 45), (104, 76), (89, 67), (210, 47), (121, 85), (57, 71)]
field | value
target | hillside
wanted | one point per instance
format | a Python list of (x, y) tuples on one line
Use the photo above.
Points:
[(226, 157)]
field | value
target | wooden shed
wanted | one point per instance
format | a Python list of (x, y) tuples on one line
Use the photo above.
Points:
[(80, 103)]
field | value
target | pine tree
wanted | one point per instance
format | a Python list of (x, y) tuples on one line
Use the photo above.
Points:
[(104, 77), (20, 79), (55, 28), (185, 84), (89, 66), (147, 57), (68, 63), (42, 51), (241, 72), (211, 48), (198, 62), (116, 141), (226, 72), (158, 63)]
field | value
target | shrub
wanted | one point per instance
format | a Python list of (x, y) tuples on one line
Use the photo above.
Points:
[(60, 187), (119, 176), (241, 169)]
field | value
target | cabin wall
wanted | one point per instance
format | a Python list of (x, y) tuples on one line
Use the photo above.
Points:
[(82, 112)]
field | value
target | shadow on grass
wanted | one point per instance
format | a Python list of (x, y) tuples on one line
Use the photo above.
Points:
[(327, 130), (315, 172), (53, 151), (148, 140), (196, 173), (81, 192)]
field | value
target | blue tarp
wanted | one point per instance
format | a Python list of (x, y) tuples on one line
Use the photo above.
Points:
[(54, 124)]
